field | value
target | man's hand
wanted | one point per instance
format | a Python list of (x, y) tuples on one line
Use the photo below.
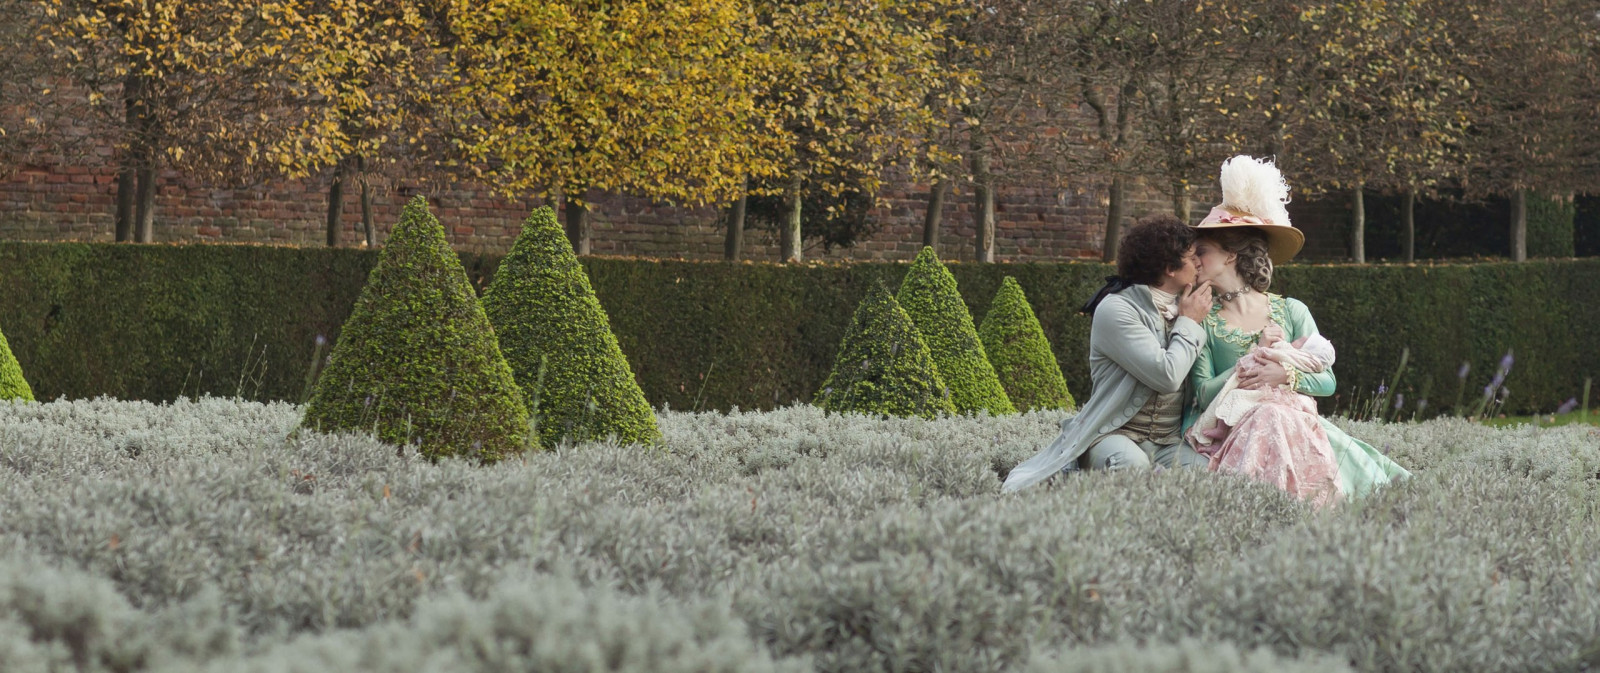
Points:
[(1269, 374), (1195, 303)]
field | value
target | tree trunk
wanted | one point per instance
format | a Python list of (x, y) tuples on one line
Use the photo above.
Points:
[(1519, 226), (578, 225), (133, 158), (145, 206), (733, 245), (792, 234), (1358, 225), (1113, 219), (1408, 226), (930, 221), (335, 204), (1181, 206), (983, 203), (367, 226), (127, 186)]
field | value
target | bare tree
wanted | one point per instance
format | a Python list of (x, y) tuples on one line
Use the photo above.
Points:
[(1531, 64)]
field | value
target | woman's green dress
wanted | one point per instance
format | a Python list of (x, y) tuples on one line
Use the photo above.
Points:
[(1361, 467)]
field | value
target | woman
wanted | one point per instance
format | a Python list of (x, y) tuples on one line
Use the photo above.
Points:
[(1282, 440)]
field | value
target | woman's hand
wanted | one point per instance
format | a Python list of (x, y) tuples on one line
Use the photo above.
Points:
[(1269, 374), (1270, 335)]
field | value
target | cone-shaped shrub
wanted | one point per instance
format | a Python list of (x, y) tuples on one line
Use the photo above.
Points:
[(883, 365), (417, 361), (1016, 346), (12, 385), (929, 296), (558, 340)]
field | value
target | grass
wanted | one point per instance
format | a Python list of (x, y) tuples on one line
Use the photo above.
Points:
[(1545, 420)]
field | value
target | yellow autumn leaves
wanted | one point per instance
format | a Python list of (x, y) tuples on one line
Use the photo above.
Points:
[(678, 100)]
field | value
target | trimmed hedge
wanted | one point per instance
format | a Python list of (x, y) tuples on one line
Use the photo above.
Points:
[(559, 343), (1550, 226), (930, 297), (12, 385), (417, 362), (884, 366), (158, 321), (1015, 343)]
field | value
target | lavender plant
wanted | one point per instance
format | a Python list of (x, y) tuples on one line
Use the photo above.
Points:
[(204, 535)]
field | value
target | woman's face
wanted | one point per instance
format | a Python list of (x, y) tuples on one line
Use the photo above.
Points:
[(1215, 263)]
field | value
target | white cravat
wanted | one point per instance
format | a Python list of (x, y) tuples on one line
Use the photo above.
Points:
[(1166, 302)]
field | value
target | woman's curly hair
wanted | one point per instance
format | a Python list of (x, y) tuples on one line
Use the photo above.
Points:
[(1154, 245), (1249, 246)]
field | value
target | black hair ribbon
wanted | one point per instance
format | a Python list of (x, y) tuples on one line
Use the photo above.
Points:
[(1114, 284)]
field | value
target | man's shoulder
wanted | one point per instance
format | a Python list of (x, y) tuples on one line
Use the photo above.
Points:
[(1116, 305)]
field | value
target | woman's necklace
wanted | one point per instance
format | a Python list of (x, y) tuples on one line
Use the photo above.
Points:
[(1228, 297)]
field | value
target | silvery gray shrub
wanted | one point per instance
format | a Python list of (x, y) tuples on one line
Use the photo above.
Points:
[(207, 535)]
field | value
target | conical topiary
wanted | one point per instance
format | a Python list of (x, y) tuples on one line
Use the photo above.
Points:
[(558, 340), (929, 296), (417, 361), (12, 385), (883, 365), (1016, 346)]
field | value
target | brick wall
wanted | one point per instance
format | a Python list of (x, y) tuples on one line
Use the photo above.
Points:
[(1035, 223)]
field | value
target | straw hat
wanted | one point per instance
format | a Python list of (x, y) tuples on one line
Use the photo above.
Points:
[(1253, 194)]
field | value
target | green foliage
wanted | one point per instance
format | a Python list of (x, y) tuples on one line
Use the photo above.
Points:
[(1551, 227), (930, 297), (417, 362), (12, 385), (1020, 353), (556, 337), (159, 322), (883, 365)]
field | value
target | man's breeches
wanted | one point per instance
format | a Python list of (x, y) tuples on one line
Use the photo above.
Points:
[(1115, 452)]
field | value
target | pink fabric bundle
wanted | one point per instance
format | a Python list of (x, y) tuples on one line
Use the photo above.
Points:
[(1272, 435)]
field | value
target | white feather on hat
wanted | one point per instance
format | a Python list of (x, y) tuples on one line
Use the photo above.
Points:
[(1253, 196), (1255, 187)]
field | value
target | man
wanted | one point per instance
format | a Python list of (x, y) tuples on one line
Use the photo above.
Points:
[(1145, 338)]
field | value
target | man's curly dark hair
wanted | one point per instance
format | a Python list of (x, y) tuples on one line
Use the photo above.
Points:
[(1154, 245)]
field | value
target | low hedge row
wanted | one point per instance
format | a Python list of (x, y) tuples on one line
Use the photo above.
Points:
[(156, 322)]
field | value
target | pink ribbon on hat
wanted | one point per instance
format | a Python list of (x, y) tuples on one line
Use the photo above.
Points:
[(1220, 215)]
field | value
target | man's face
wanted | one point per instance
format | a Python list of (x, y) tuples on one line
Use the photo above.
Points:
[(1187, 273)]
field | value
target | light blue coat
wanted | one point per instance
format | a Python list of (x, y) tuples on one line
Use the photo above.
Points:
[(1131, 357)]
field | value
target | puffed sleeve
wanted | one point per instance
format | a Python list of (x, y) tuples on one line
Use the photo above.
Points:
[(1319, 384), (1207, 383)]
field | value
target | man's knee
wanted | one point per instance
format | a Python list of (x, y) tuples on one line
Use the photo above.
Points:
[(1180, 455), (1116, 452)]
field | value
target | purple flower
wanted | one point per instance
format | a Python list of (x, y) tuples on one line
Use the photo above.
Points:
[(1505, 362), (1488, 391), (1399, 401), (1422, 404), (1498, 379), (1462, 372), (322, 340), (1568, 406), (1382, 389)]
